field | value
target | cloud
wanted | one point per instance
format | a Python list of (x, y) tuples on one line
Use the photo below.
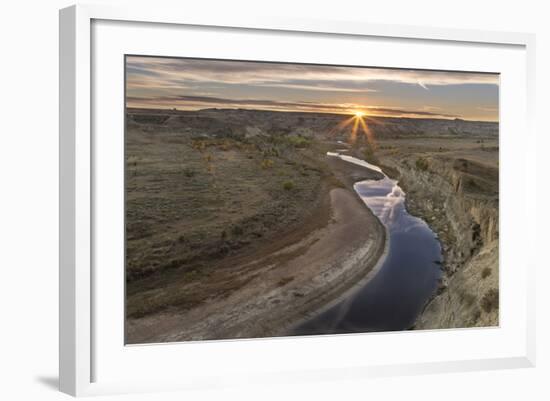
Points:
[(193, 102), (490, 109), (422, 85), (392, 111), (174, 71), (199, 83)]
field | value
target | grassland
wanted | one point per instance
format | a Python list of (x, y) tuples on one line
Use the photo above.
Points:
[(212, 214), (238, 225)]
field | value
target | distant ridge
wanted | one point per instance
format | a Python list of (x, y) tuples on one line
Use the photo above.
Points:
[(305, 113)]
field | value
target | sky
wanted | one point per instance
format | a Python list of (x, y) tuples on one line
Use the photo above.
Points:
[(193, 84)]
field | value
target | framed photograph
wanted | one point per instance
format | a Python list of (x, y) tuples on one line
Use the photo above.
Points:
[(269, 200)]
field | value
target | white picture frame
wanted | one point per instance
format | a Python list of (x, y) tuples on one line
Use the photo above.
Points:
[(85, 356)]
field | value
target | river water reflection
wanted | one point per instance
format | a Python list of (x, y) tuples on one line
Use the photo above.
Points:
[(407, 278)]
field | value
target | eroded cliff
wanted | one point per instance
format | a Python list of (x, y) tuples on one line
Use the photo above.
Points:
[(458, 197)]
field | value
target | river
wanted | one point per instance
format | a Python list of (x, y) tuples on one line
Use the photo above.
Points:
[(407, 278)]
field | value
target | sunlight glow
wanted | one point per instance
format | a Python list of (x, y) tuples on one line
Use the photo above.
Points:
[(358, 123)]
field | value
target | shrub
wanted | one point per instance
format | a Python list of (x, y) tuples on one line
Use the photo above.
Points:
[(468, 299), (368, 154), (226, 145), (475, 316), (288, 185), (199, 145), (486, 272), (284, 281), (266, 163), (189, 172), (237, 230), (298, 141), (271, 151), (422, 164), (489, 301)]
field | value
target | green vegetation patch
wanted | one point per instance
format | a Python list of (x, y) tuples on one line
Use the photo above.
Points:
[(489, 302), (288, 185), (422, 164), (486, 272)]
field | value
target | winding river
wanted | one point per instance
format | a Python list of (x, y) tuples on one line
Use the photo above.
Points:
[(405, 281)]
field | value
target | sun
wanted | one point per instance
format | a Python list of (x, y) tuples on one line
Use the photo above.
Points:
[(359, 114)]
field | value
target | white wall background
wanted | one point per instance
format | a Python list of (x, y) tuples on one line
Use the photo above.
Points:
[(29, 200)]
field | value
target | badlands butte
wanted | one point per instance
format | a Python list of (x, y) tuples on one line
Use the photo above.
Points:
[(239, 225)]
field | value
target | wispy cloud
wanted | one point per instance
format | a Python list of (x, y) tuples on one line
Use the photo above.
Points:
[(175, 82), (490, 109), (188, 102), (422, 85), (271, 73)]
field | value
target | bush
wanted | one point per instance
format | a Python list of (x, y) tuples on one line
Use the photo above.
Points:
[(284, 141), (288, 185), (468, 299), (271, 151), (284, 281), (225, 145), (489, 301), (266, 163), (189, 172), (298, 141), (422, 164), (368, 154), (237, 230), (199, 145), (486, 272), (475, 316)]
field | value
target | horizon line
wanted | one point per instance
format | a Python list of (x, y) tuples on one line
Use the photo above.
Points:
[(367, 115)]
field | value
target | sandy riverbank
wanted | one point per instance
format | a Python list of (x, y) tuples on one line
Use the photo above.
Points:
[(285, 281)]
